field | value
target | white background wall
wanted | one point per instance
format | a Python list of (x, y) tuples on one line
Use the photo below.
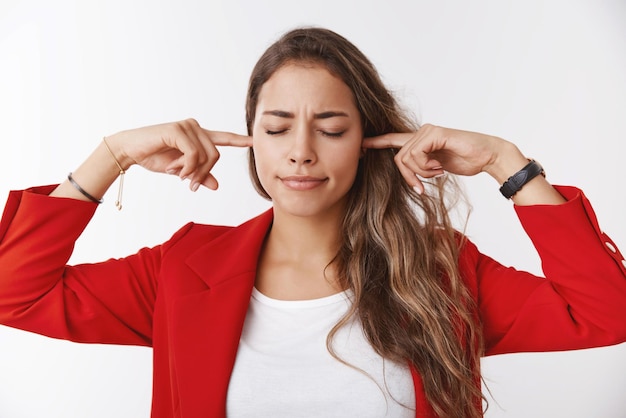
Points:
[(549, 76)]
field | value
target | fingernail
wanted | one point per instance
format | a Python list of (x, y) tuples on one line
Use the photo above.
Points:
[(417, 189), (170, 171), (194, 186)]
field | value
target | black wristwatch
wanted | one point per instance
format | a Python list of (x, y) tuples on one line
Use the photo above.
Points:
[(519, 179)]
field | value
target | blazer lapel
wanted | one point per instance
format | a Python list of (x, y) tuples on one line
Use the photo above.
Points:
[(207, 324)]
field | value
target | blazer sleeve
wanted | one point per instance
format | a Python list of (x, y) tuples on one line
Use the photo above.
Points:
[(108, 302), (581, 302)]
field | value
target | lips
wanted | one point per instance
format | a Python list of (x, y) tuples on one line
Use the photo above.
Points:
[(302, 182)]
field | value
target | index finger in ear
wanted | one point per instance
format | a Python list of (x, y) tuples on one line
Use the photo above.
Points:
[(229, 139), (391, 140)]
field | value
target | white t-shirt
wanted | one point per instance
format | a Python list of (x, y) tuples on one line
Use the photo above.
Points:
[(283, 368)]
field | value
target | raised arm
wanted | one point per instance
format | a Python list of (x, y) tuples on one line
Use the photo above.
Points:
[(181, 148), (583, 301), (433, 150), (111, 301)]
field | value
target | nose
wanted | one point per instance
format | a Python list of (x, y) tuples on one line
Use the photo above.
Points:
[(302, 148)]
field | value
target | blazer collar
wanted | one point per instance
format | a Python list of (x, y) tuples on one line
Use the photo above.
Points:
[(206, 324), (234, 252)]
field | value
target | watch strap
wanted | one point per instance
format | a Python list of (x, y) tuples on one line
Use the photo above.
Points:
[(519, 179)]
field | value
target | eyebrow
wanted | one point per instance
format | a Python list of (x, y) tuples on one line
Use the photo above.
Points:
[(290, 115)]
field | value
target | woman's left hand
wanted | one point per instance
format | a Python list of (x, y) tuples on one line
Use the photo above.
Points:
[(433, 150)]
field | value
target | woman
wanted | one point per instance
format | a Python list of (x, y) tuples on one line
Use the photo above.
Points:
[(353, 295)]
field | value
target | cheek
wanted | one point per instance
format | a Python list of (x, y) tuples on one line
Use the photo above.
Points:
[(263, 163), (349, 155)]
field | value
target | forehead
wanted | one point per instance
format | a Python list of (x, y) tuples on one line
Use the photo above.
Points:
[(305, 84)]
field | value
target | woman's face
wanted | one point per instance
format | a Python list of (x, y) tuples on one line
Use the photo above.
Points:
[(307, 140)]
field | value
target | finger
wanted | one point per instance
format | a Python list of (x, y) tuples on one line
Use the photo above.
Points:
[(176, 166), (203, 176), (208, 156), (210, 182), (419, 187), (202, 156), (407, 173), (172, 170), (391, 140), (194, 152), (190, 164), (419, 162), (228, 139), (412, 171), (412, 179)]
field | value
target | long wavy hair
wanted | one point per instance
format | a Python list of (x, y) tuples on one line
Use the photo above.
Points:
[(399, 252)]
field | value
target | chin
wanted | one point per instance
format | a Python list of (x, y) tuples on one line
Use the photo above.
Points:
[(306, 208)]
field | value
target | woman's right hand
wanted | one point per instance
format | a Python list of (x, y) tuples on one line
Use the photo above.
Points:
[(181, 148)]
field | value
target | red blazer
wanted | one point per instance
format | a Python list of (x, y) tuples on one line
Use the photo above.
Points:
[(188, 297)]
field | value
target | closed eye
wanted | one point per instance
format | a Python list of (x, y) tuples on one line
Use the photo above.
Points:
[(270, 132), (333, 134), (324, 133)]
